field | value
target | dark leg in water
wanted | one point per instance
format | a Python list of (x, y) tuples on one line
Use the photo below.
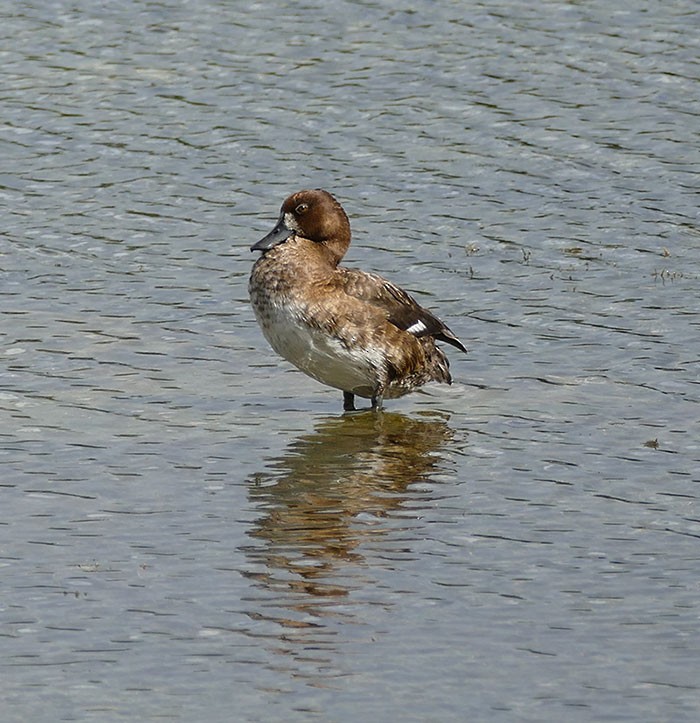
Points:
[(348, 402), (378, 398)]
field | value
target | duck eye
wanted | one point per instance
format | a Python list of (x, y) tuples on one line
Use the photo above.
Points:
[(301, 208)]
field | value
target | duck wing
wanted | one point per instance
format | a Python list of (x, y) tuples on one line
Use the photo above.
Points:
[(399, 308)]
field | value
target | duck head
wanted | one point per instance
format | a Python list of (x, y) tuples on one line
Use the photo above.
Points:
[(314, 215)]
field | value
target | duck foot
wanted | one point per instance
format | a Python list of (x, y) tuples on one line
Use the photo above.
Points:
[(348, 402)]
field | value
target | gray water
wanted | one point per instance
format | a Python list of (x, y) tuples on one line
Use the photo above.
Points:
[(192, 530)]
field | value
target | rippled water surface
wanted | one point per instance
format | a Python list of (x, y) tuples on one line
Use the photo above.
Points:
[(192, 530)]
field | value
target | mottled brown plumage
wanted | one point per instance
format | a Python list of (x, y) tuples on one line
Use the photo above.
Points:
[(346, 328)]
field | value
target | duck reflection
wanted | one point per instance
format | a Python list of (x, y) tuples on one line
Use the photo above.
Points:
[(328, 493)]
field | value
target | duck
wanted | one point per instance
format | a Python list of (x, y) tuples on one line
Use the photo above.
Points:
[(349, 329)]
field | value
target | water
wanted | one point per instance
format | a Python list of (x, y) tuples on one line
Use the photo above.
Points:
[(190, 529)]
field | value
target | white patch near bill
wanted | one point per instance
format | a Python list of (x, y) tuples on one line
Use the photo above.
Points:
[(290, 222)]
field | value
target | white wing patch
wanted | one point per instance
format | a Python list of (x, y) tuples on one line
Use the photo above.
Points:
[(417, 327)]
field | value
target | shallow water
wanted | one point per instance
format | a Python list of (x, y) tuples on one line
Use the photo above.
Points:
[(190, 529)]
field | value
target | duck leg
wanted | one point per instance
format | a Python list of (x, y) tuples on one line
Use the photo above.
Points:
[(377, 401), (348, 402), (378, 396)]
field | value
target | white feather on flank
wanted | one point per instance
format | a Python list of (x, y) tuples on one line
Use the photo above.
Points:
[(319, 354), (417, 327)]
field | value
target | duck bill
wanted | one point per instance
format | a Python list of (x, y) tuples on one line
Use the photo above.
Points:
[(279, 234)]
